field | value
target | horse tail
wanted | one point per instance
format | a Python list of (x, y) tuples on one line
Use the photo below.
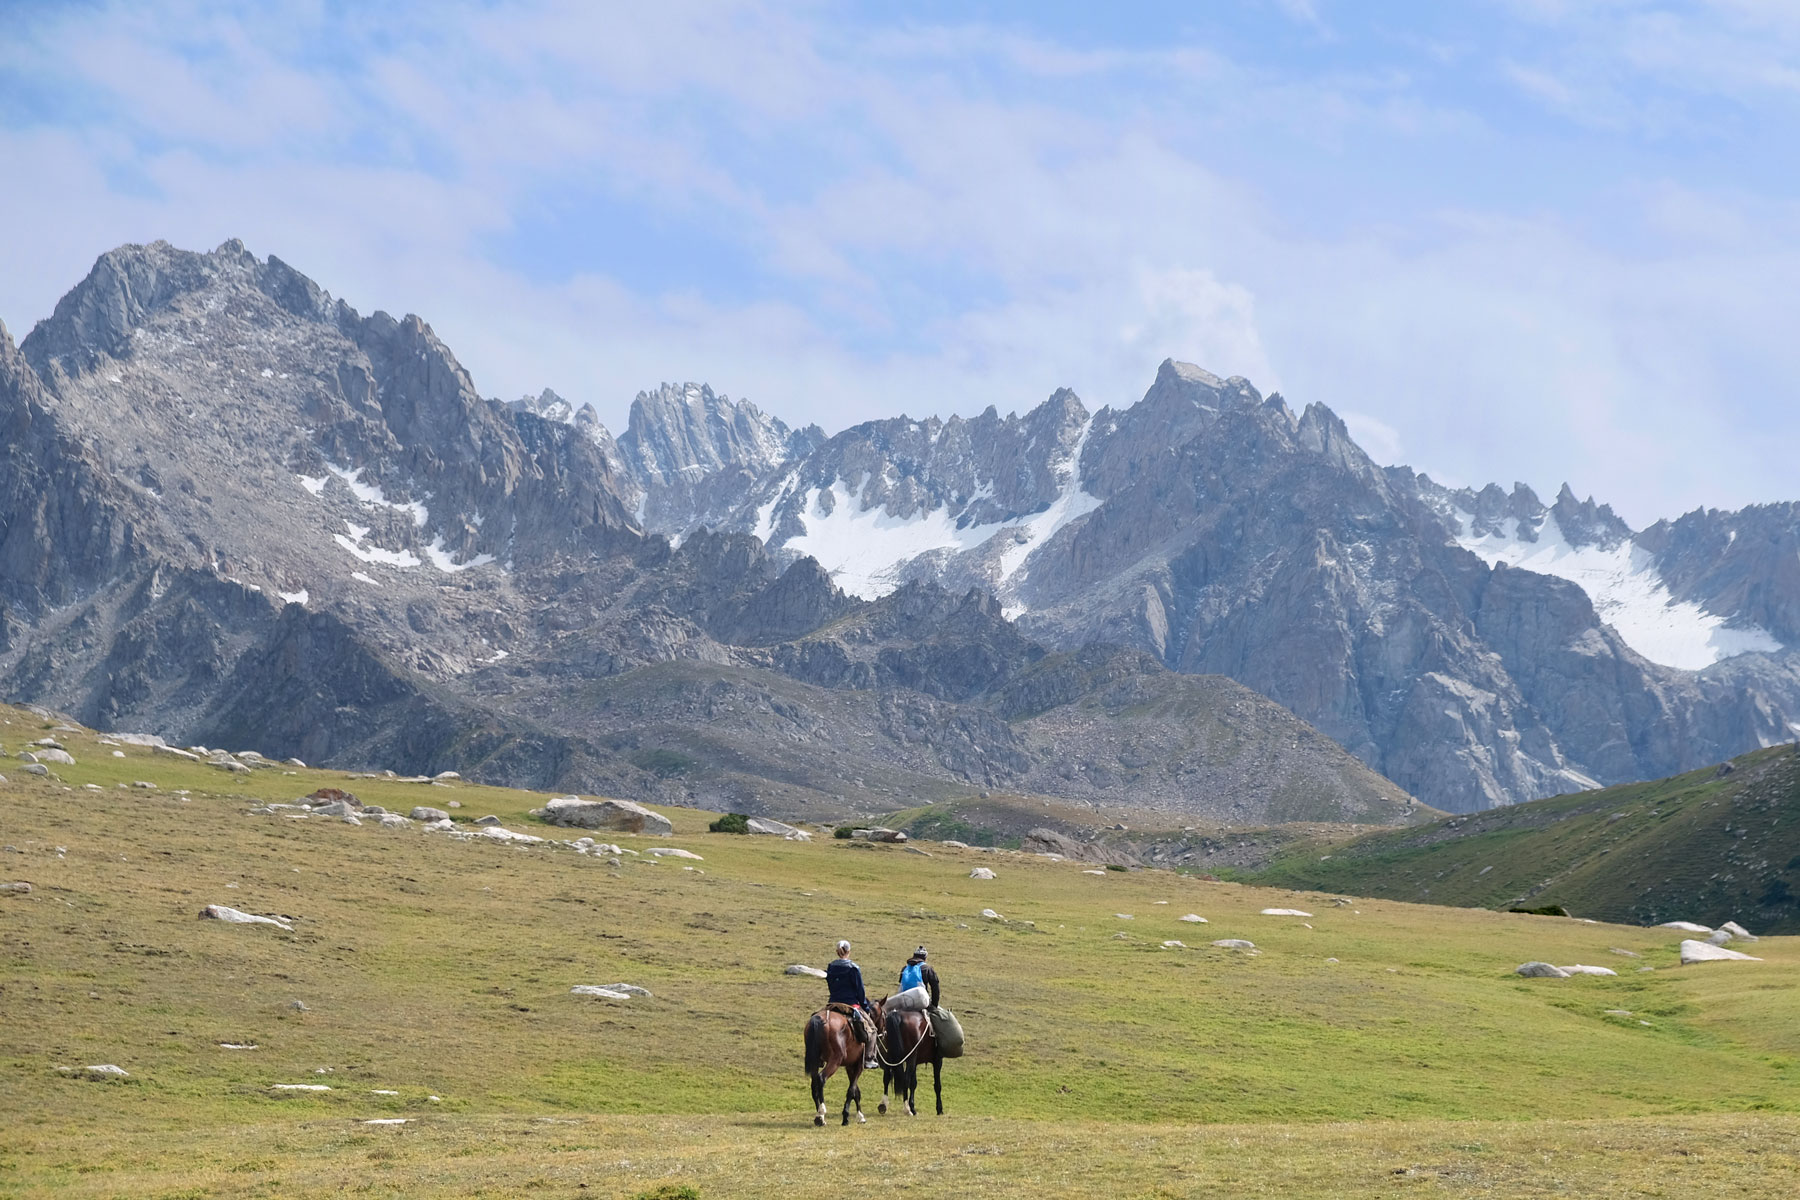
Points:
[(815, 1044)]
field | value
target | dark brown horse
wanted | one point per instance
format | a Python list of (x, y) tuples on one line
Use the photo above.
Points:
[(832, 1041), (907, 1041)]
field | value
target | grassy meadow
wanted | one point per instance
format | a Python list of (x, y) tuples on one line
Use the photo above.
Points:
[(435, 976)]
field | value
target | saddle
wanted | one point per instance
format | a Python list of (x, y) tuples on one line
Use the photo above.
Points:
[(859, 1020)]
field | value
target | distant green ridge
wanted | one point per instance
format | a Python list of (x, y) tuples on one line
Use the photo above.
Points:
[(1713, 845)]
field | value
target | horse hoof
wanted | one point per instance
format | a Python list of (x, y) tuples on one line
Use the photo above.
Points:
[(819, 1121), (883, 1108), (861, 1120)]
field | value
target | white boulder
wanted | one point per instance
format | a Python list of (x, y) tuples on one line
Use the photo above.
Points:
[(1193, 919), (1685, 926), (1696, 952), (674, 852), (990, 915), (1540, 970), (622, 815), (803, 969), (231, 916), (768, 828), (422, 813), (61, 758), (1738, 931), (588, 989), (1234, 944), (982, 873), (1284, 912), (1584, 969)]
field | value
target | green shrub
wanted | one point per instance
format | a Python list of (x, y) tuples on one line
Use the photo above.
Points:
[(842, 831), (1114, 867), (1547, 910), (731, 823), (671, 1191)]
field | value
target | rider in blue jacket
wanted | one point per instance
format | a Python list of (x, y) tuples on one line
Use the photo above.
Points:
[(918, 984)]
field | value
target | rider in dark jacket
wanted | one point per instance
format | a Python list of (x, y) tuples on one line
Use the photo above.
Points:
[(844, 980)]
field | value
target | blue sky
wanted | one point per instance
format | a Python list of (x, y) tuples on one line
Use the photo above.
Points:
[(1507, 239)]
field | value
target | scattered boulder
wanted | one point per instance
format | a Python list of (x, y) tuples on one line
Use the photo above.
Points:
[(622, 815), (446, 775), (1696, 952), (1685, 926), (1718, 937), (588, 989), (100, 1071), (883, 835), (1284, 912), (953, 844), (36, 769), (331, 795), (1583, 969), (49, 743), (1174, 945), (175, 752), (143, 785), (991, 915), (1095, 871), (337, 808), (394, 821), (1738, 931), (982, 873), (229, 764), (1124, 916), (1540, 970), (770, 828), (490, 819), (26, 756), (1234, 944), (674, 852), (299, 1087), (803, 969), (629, 989), (17, 888), (422, 813), (219, 912), (1193, 919), (61, 758), (497, 834)]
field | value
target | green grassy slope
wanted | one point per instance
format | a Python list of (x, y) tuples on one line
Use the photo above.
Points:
[(1702, 847), (431, 967)]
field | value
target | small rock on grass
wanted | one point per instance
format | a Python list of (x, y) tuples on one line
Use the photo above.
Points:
[(490, 819), (1738, 931), (803, 969), (1284, 912), (1540, 970), (231, 916), (1193, 919), (1584, 969), (991, 915), (981, 873), (1235, 944), (99, 1071), (19, 888), (597, 992), (1686, 926), (422, 813), (36, 769), (674, 852)]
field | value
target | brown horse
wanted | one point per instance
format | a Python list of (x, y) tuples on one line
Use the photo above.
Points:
[(908, 1041), (833, 1041)]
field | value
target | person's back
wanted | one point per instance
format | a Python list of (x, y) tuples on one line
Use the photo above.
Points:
[(918, 984), (844, 985), (844, 980)]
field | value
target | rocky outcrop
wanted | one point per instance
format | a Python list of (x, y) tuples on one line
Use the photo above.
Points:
[(621, 815)]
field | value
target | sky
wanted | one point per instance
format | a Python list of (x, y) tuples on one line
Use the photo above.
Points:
[(1538, 240)]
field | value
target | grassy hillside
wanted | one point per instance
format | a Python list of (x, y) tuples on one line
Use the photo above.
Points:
[(1706, 846), (1373, 1042)]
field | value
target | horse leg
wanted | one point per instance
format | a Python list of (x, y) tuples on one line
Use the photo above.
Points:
[(818, 1095), (849, 1090), (937, 1082), (912, 1087), (855, 1094)]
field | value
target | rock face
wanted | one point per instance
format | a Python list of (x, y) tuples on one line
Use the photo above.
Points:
[(1476, 647), (773, 828), (238, 512), (621, 815)]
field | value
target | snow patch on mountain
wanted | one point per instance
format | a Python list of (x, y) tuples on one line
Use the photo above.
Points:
[(1626, 591), (867, 550), (370, 493)]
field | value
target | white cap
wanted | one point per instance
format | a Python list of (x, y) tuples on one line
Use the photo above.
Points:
[(843, 946)]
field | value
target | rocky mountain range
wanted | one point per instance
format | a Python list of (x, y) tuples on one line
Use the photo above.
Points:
[(234, 511), (1478, 648)]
